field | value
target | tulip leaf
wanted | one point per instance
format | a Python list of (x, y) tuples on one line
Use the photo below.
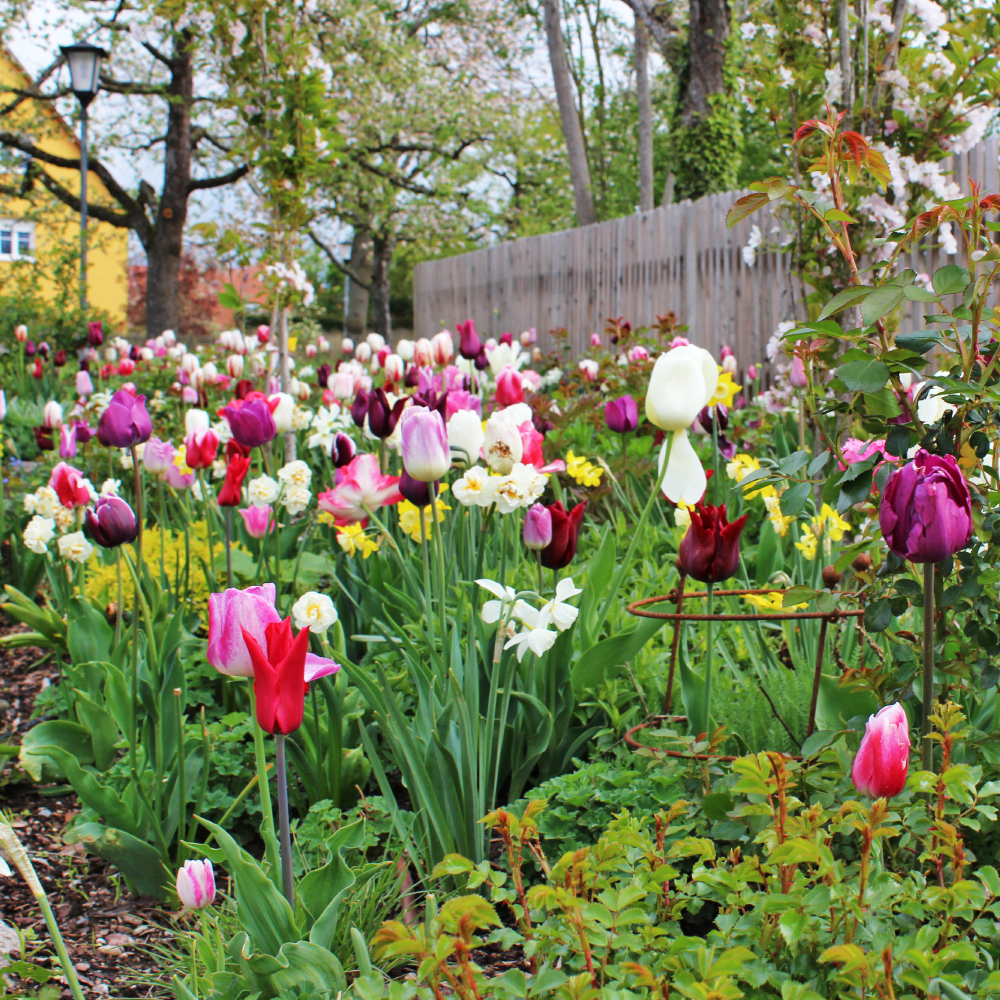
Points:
[(950, 279), (589, 671), (864, 376), (89, 637), (794, 498), (36, 745), (140, 863)]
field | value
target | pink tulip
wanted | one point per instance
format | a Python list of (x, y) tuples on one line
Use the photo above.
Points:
[(442, 348), (189, 394), (258, 520), (426, 453), (595, 340), (422, 353), (196, 884), (67, 441), (362, 489), (157, 456), (638, 353), (879, 769), (235, 612), (84, 383), (510, 389), (679, 342)]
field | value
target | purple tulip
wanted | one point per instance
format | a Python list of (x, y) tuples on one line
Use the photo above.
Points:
[(359, 408), (426, 452), (418, 493), (621, 415), (30, 349), (343, 450), (482, 362), (251, 422), (538, 526), (110, 523), (125, 422), (382, 418), (926, 511), (323, 375), (67, 441)]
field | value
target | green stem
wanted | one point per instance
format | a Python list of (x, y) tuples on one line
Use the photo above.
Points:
[(287, 885), (229, 542), (181, 778), (706, 703), (118, 619), (163, 531), (425, 559), (439, 545), (267, 821), (152, 657), (928, 685), (68, 969)]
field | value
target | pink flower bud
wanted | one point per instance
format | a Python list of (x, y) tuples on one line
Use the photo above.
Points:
[(537, 527), (258, 520), (347, 345), (510, 389), (442, 348), (196, 884), (879, 769), (263, 333), (595, 340)]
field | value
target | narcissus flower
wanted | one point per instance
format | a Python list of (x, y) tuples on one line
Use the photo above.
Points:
[(880, 765)]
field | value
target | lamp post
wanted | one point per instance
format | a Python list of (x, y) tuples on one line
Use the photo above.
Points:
[(84, 63)]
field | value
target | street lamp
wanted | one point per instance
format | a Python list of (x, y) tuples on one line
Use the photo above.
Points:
[(84, 63)]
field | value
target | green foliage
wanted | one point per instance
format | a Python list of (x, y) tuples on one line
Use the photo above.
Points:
[(706, 155)]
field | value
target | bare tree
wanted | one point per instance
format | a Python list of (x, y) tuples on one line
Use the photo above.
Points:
[(576, 150), (645, 101)]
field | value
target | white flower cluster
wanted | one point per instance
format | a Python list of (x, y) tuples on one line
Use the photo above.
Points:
[(326, 424), (520, 487), (292, 276), (536, 634), (295, 479)]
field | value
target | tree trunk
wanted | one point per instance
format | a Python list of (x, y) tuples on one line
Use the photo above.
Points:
[(357, 296), (645, 117), (572, 131), (844, 30), (708, 28), (163, 253), (382, 258)]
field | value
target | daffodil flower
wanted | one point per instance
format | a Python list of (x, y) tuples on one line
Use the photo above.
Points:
[(493, 611), (562, 614)]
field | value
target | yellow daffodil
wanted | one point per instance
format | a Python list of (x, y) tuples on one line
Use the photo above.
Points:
[(808, 544), (725, 390), (774, 515), (582, 470), (409, 517), (740, 467), (829, 521), (682, 516), (352, 539), (771, 602)]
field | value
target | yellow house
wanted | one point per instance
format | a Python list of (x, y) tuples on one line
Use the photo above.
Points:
[(39, 235)]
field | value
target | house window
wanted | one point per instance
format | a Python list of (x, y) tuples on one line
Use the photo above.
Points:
[(17, 240)]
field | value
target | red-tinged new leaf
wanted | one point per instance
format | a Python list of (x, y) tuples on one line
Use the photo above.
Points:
[(991, 203), (926, 222), (745, 207), (856, 144), (807, 128)]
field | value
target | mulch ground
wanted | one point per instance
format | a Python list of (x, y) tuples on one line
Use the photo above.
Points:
[(111, 937)]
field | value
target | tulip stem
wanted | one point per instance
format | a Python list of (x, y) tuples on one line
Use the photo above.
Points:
[(229, 542), (118, 615), (439, 545), (181, 778), (541, 581), (928, 684), (267, 818), (706, 703), (287, 885), (428, 605), (678, 626), (134, 735)]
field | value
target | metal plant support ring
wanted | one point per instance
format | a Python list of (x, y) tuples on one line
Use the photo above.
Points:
[(677, 597)]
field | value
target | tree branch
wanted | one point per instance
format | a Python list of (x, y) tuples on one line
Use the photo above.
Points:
[(339, 264), (120, 220), (157, 54), (128, 87), (222, 180)]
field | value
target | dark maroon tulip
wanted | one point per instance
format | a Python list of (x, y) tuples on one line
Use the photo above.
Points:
[(710, 551), (83, 432), (343, 450), (469, 344), (414, 490), (134, 353), (433, 401), (243, 388), (323, 375), (382, 418), (926, 511), (621, 415), (30, 349), (412, 377), (125, 422), (110, 523), (250, 421), (95, 334), (507, 338), (565, 531), (359, 408), (43, 349), (542, 424), (85, 364), (482, 362), (59, 360), (43, 438)]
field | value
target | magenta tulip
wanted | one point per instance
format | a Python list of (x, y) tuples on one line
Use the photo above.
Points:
[(621, 415), (258, 520), (196, 884), (537, 527), (250, 421), (426, 452), (926, 511), (343, 450), (469, 344), (880, 765), (125, 422)]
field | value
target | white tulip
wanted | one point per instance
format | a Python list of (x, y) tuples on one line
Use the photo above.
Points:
[(284, 412), (196, 420), (465, 437), (502, 446)]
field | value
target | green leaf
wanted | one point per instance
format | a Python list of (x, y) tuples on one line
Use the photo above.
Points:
[(71, 737), (790, 465), (90, 637), (798, 595), (324, 889), (140, 863), (917, 294), (792, 925), (794, 498), (839, 702), (600, 571), (817, 742), (745, 207), (883, 403), (864, 376), (881, 302), (950, 279), (878, 614), (590, 669), (920, 341), (102, 728), (849, 296), (819, 462), (836, 215)]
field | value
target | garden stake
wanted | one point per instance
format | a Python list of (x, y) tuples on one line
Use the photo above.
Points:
[(819, 666), (668, 701), (286, 837), (928, 684)]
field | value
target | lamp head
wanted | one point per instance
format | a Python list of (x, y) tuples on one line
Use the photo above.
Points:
[(84, 63)]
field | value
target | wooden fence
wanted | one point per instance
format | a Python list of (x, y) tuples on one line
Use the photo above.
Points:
[(678, 258)]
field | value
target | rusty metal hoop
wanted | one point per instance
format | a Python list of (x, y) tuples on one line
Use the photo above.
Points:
[(636, 745)]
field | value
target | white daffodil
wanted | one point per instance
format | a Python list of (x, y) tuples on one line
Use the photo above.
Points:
[(557, 610), (521, 487), (536, 635), (262, 491), (75, 547), (295, 474), (493, 611), (477, 487), (314, 611), (295, 499), (111, 487), (39, 532)]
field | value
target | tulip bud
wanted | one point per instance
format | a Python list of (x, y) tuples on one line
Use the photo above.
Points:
[(422, 353), (347, 345), (881, 762), (468, 340), (258, 520), (375, 341), (621, 415), (196, 884), (30, 349), (60, 359), (417, 492), (363, 352), (311, 350), (710, 551), (343, 450), (442, 348), (235, 365), (510, 389), (565, 534), (282, 410), (263, 333), (110, 522), (3, 405), (52, 414), (507, 338), (95, 334), (595, 340), (21, 333), (537, 527), (426, 453), (752, 373), (393, 368)]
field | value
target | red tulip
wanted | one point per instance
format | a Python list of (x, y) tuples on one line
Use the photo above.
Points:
[(279, 676), (232, 489), (710, 551), (565, 531), (70, 486), (879, 769), (201, 447)]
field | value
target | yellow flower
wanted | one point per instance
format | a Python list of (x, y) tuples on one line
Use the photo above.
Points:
[(582, 470), (831, 522), (771, 602), (352, 538), (774, 515), (682, 516), (180, 462), (725, 390), (808, 544), (409, 517), (968, 459), (740, 467)]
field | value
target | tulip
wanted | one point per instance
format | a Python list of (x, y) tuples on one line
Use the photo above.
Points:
[(52, 415), (250, 421), (110, 522), (359, 408), (29, 349), (282, 410), (362, 488), (442, 348), (196, 884), (323, 375), (67, 441), (729, 363), (231, 493), (347, 345), (621, 415), (528, 337), (423, 355), (880, 765), (382, 418), (465, 436), (468, 340), (311, 350), (258, 520), (43, 438), (363, 352), (404, 348), (503, 447), (507, 338), (84, 383), (926, 511), (196, 420), (3, 405), (394, 368), (414, 490), (126, 366), (380, 357), (235, 365), (710, 551), (426, 453), (595, 340), (189, 395), (157, 456), (95, 334), (201, 447), (537, 532), (21, 333), (343, 450), (482, 361), (375, 341), (683, 381), (229, 614), (59, 360), (125, 422), (510, 389), (565, 532), (70, 486)]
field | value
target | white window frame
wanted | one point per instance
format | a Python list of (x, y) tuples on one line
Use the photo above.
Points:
[(15, 227)]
